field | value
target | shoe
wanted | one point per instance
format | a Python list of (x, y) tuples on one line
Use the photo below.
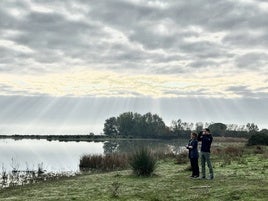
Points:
[(211, 178), (201, 177)]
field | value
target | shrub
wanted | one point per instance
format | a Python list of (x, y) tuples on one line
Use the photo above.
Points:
[(259, 150), (142, 162), (258, 139), (229, 154), (233, 151), (115, 189), (182, 158), (229, 151)]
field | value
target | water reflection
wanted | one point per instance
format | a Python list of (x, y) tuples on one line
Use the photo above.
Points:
[(59, 157), (128, 146), (55, 156)]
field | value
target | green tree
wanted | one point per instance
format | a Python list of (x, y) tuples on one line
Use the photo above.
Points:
[(176, 126), (126, 124), (199, 126), (110, 127), (159, 127), (252, 128), (180, 129), (153, 125), (218, 129), (264, 131), (136, 125)]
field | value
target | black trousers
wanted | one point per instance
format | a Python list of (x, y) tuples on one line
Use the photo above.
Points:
[(195, 167)]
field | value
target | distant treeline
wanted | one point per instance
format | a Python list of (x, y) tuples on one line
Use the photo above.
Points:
[(149, 125), (134, 125)]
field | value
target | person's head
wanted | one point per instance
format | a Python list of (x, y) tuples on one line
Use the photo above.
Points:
[(206, 131), (193, 135)]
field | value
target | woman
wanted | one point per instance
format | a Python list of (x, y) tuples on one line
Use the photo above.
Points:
[(193, 155)]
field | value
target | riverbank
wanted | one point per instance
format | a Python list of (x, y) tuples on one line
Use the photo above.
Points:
[(101, 138), (237, 177), (86, 138)]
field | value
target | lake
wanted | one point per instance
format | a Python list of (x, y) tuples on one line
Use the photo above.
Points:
[(55, 156)]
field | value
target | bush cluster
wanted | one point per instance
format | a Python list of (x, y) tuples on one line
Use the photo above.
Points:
[(142, 162), (258, 139)]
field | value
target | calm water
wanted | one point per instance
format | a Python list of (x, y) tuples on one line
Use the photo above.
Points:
[(55, 156)]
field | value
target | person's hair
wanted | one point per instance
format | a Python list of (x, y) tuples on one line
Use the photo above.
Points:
[(194, 134), (207, 129)]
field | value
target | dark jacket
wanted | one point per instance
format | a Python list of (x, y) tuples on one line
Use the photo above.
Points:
[(193, 152), (206, 142)]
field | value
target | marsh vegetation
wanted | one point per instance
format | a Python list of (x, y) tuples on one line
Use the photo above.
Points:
[(240, 174)]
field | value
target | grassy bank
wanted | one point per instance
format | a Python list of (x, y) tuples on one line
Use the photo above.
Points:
[(238, 176)]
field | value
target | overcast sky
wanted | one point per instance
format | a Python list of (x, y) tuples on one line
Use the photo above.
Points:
[(76, 62)]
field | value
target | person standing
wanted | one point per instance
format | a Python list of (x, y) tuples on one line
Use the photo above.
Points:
[(193, 155), (206, 139)]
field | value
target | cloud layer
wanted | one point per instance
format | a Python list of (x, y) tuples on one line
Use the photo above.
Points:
[(134, 48)]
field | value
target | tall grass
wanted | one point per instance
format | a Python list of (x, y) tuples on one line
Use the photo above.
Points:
[(107, 162), (229, 154)]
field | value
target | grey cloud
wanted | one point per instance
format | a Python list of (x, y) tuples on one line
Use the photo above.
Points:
[(229, 15), (6, 19), (204, 49), (55, 38), (199, 93), (213, 15), (252, 60), (53, 31), (10, 91), (203, 63), (5, 88), (179, 69), (11, 60), (246, 39), (245, 92), (152, 40), (238, 88), (121, 14)]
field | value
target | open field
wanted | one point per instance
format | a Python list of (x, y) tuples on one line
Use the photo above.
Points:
[(238, 176)]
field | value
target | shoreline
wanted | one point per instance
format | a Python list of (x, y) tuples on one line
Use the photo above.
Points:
[(101, 138)]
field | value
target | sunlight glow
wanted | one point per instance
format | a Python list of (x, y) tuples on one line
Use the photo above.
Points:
[(110, 84)]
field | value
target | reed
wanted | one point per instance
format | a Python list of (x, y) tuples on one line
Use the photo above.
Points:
[(109, 162)]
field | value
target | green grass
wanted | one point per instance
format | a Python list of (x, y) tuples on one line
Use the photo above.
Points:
[(242, 178)]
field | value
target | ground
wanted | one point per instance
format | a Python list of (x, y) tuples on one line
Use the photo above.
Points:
[(236, 178)]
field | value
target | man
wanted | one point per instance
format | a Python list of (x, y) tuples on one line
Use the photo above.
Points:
[(206, 138)]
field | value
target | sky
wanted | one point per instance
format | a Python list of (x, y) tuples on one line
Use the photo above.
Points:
[(66, 66)]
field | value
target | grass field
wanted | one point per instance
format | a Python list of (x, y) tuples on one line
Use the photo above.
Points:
[(241, 176)]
